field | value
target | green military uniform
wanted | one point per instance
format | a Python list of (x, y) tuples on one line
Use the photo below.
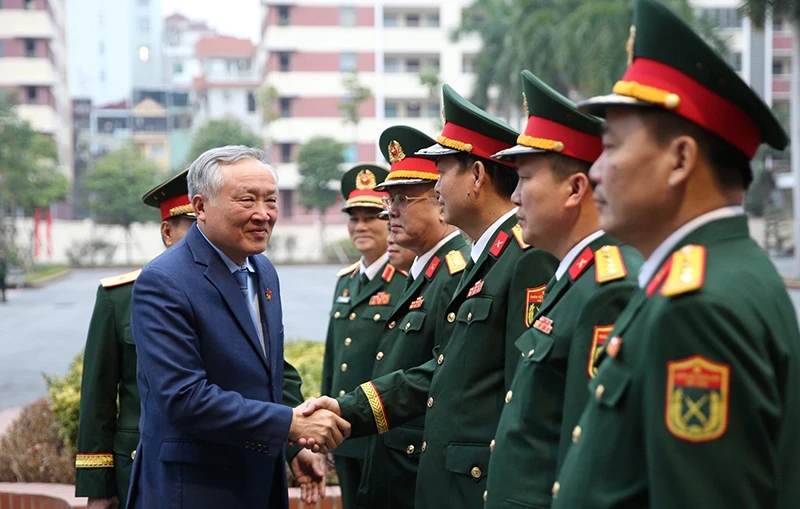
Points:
[(409, 337), (697, 400), (358, 316), (461, 390), (592, 285)]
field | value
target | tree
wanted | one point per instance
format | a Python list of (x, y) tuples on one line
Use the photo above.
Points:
[(29, 172), (319, 164), (355, 94), (218, 133), (429, 78), (116, 184)]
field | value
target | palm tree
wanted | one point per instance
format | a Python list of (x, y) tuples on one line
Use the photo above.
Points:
[(758, 11)]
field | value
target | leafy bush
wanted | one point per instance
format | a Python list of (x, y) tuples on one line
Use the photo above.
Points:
[(306, 357), (65, 397), (32, 451)]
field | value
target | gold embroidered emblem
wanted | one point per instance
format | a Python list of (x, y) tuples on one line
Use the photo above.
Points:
[(533, 303), (697, 399), (396, 153), (376, 404), (630, 44), (525, 104), (366, 180)]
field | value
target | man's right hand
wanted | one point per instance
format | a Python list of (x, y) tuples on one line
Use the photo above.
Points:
[(308, 408), (323, 428), (102, 503)]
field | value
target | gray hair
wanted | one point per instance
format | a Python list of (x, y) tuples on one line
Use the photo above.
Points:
[(204, 176)]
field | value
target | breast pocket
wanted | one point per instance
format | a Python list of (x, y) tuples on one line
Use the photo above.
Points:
[(413, 322), (610, 387), (376, 314), (474, 310)]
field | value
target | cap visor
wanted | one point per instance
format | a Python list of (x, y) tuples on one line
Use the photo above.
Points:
[(402, 182), (511, 153), (597, 105), (435, 151), (366, 205)]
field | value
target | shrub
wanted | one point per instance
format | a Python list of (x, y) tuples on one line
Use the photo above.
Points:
[(306, 357), (65, 397), (32, 451)]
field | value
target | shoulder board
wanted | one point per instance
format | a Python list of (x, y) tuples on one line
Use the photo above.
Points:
[(124, 279), (347, 270), (687, 272), (581, 263), (517, 231), (455, 261), (432, 266), (609, 265), (498, 244), (388, 273)]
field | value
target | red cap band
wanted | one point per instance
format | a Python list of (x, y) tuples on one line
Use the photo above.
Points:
[(482, 146), (176, 206), (577, 144)]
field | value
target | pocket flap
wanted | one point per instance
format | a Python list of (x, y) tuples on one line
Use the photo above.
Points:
[(193, 452), (468, 459), (614, 379), (405, 439), (535, 341), (475, 309), (125, 442), (127, 336), (413, 321)]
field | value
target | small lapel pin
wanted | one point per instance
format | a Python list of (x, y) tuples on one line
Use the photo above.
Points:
[(268, 294)]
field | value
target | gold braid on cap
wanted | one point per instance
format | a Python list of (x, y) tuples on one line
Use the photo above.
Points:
[(540, 143), (182, 210), (454, 144), (648, 94)]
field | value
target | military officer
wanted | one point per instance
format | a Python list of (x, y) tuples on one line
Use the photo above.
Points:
[(697, 400), (365, 294), (593, 283), (400, 257), (107, 436), (461, 391), (408, 339)]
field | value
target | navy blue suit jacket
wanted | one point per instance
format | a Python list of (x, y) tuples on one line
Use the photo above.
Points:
[(213, 427)]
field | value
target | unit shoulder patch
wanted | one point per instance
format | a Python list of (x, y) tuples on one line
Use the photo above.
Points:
[(388, 273), (534, 297), (609, 265), (697, 399), (517, 231), (687, 271), (348, 270), (124, 279), (455, 262), (599, 338)]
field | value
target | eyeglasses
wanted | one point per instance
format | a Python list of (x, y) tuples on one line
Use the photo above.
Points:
[(401, 200)]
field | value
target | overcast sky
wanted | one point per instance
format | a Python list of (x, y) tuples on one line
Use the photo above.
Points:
[(239, 18)]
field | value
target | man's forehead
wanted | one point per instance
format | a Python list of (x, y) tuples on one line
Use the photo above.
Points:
[(409, 189), (620, 118)]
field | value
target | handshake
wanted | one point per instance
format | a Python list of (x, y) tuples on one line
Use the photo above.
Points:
[(317, 425)]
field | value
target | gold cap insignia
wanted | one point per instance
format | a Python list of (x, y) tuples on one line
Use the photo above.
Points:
[(525, 104), (630, 43), (366, 180), (444, 117), (396, 153)]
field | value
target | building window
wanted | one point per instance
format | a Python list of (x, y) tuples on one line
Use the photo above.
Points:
[(412, 65), (2, 45), (251, 101), (468, 64), (286, 107), (31, 95), (286, 200), (390, 110), (390, 19), (432, 110), (347, 16), (284, 62), (286, 152), (391, 64), (432, 20), (413, 110), (30, 5), (283, 15), (432, 63), (412, 20), (177, 68), (144, 53), (144, 25), (351, 154), (347, 62), (723, 17), (30, 48), (780, 66)]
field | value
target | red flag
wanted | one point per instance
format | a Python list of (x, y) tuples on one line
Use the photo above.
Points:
[(49, 233), (37, 216)]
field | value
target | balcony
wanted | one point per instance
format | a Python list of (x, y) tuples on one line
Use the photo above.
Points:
[(21, 23)]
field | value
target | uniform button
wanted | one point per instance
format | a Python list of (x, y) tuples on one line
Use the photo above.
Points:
[(408, 326), (556, 489), (476, 472), (530, 354), (598, 393), (424, 446), (508, 396), (410, 450), (344, 367), (337, 314), (469, 316), (133, 454), (485, 495), (379, 356), (576, 434), (376, 317), (491, 445), (392, 324), (523, 354), (451, 317), (352, 316), (440, 360), (341, 393), (348, 341), (430, 402)]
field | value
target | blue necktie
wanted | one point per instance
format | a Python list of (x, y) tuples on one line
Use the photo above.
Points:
[(241, 278)]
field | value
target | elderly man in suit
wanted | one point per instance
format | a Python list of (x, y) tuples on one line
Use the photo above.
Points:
[(208, 329)]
